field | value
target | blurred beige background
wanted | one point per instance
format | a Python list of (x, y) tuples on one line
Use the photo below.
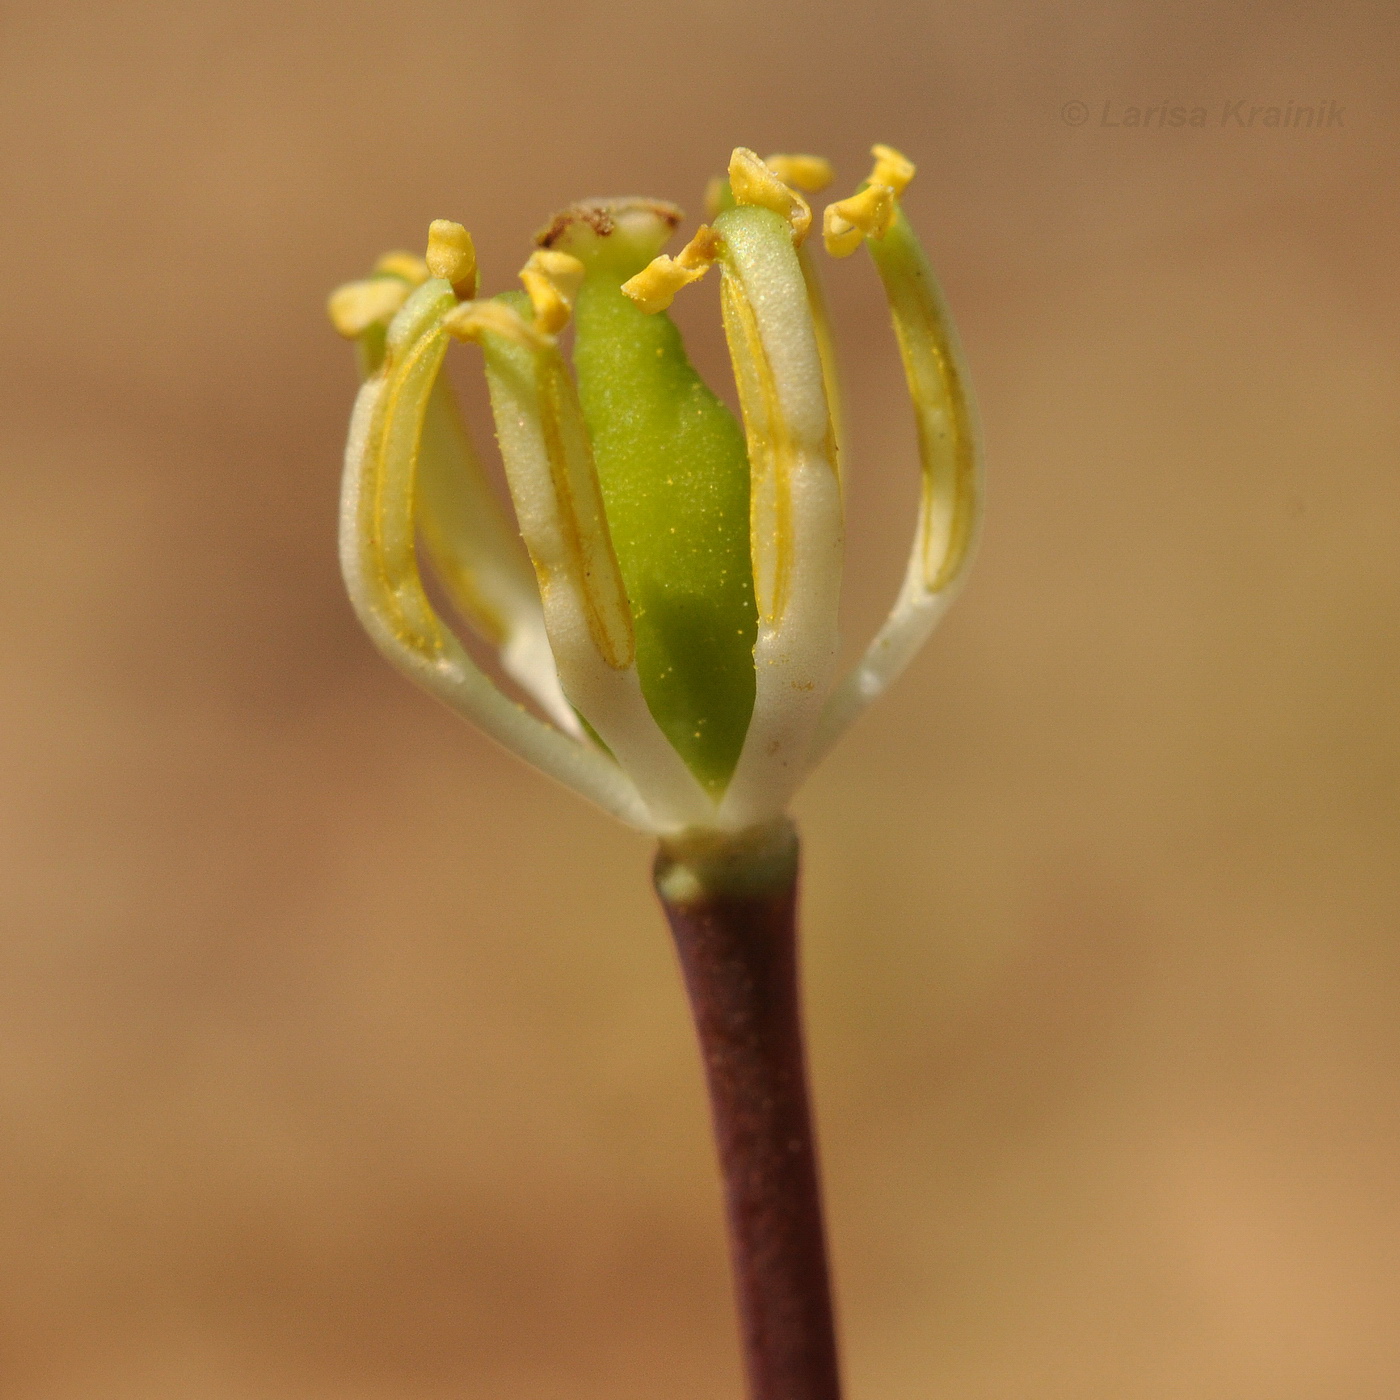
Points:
[(343, 1058)]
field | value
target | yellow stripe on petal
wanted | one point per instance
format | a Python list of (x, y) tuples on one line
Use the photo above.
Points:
[(582, 520), (948, 454), (950, 467), (795, 504), (553, 481), (826, 348), (549, 466), (386, 530), (770, 453), (377, 528)]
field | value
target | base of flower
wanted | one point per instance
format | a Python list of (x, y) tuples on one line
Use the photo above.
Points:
[(732, 904)]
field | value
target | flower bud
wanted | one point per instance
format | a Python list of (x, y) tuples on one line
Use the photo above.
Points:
[(673, 610)]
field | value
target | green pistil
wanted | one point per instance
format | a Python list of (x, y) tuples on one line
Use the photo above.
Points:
[(675, 477)]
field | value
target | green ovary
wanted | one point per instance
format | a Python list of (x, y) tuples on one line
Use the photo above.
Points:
[(675, 479)]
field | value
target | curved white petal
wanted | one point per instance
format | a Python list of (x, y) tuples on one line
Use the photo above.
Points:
[(951, 461), (378, 559), (558, 502), (796, 523), (477, 554)]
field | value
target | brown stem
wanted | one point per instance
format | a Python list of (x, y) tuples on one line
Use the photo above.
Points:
[(732, 906)]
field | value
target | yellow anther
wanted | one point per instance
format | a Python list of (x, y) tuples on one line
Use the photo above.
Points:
[(892, 168), (754, 183), (714, 196), (809, 173), (452, 255), (868, 214), (409, 266), (552, 280), (702, 250), (655, 286), (357, 306), (473, 319)]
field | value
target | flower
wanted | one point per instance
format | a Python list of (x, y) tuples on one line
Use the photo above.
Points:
[(669, 602)]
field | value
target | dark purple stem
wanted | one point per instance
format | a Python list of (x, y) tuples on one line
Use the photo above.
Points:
[(732, 906)]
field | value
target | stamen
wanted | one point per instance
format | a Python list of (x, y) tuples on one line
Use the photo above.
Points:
[(478, 556), (810, 173), (408, 266), (754, 183), (656, 285), (892, 168), (474, 319), (871, 212), (795, 505), (950, 460), (552, 280), (868, 214), (381, 571), (826, 348), (553, 481), (357, 306), (452, 256), (800, 172)]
